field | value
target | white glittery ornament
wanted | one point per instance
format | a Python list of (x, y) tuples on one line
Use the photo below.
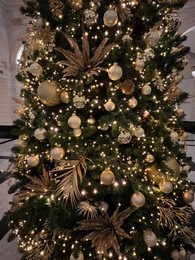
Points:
[(146, 89), (77, 132), (139, 65), (107, 177), (40, 133), (150, 238), (35, 69), (79, 257), (138, 199), (110, 18), (79, 101), (74, 121), (57, 153), (166, 186), (174, 136), (33, 161), (139, 132), (90, 17), (124, 137), (152, 38), (109, 105), (175, 255), (132, 102), (64, 96), (115, 72)]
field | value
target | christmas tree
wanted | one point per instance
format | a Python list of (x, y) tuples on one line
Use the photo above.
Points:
[(100, 162)]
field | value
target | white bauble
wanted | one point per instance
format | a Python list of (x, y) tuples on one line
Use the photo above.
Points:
[(35, 69), (174, 136), (139, 132), (149, 158), (175, 255), (64, 96), (109, 105), (166, 186), (139, 65), (74, 121), (138, 199), (150, 238), (40, 133), (33, 161), (107, 177), (110, 18), (152, 38), (79, 257), (115, 72), (57, 153), (146, 89), (132, 102), (77, 132)]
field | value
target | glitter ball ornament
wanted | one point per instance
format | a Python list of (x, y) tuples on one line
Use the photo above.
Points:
[(149, 158), (127, 38), (64, 96), (127, 87), (175, 255), (77, 132), (107, 177), (173, 165), (40, 133), (49, 93), (35, 69), (149, 238), (74, 121), (124, 137), (57, 153), (132, 102), (110, 18), (138, 199), (90, 17), (79, 256), (188, 196), (91, 120), (139, 132), (166, 186), (146, 89), (115, 72), (33, 161), (109, 105), (174, 136), (79, 101), (139, 65), (152, 38)]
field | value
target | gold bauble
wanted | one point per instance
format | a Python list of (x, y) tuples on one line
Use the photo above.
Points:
[(76, 4), (33, 161), (109, 105), (146, 89), (64, 96), (91, 120), (139, 65), (138, 199), (188, 196), (40, 133), (79, 257), (166, 186), (152, 38), (132, 102), (174, 166), (77, 132), (178, 78), (35, 69), (127, 87), (149, 238), (107, 177), (149, 158), (49, 93), (74, 121), (154, 174), (110, 18), (57, 153), (115, 72)]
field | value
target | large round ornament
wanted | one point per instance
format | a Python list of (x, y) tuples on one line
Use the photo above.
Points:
[(115, 72), (188, 196), (127, 87), (109, 105), (64, 96), (33, 161), (74, 121), (139, 65), (152, 38), (40, 133), (132, 102), (57, 153), (166, 186), (79, 257), (110, 18), (174, 166), (138, 199), (150, 238), (154, 174), (175, 255), (107, 177), (146, 89), (49, 93), (35, 69)]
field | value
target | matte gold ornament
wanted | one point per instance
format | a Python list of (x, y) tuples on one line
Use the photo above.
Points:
[(149, 238), (74, 121), (110, 18), (107, 177), (115, 72), (152, 38), (49, 93), (77, 132), (80, 256), (139, 65), (127, 87), (188, 196), (35, 69), (57, 153), (138, 199), (40, 133), (33, 161), (175, 255), (174, 166), (109, 105), (91, 120), (166, 186), (64, 96), (154, 174), (132, 102), (146, 89)]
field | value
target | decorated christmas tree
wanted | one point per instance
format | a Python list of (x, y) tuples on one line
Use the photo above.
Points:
[(100, 162)]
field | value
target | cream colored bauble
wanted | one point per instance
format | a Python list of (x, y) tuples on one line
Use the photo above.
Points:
[(115, 72), (64, 96), (188, 196), (49, 93), (175, 255), (139, 132), (107, 177), (152, 38), (79, 257), (35, 69), (91, 120), (33, 161), (74, 121), (149, 158), (132, 102), (150, 238), (77, 132), (110, 18), (109, 105), (174, 136), (174, 166), (166, 186), (139, 65), (178, 78), (57, 153), (40, 133), (183, 137), (146, 89), (138, 199)]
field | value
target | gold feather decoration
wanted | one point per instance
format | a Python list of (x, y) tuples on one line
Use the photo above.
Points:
[(124, 11), (104, 230), (86, 209), (67, 175), (80, 61)]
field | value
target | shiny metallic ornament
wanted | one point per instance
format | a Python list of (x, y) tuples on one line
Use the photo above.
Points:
[(57, 153), (109, 105), (110, 18), (33, 161), (132, 102), (152, 38), (79, 101), (74, 121), (188, 196), (166, 186), (115, 72), (107, 177), (77, 132), (149, 158), (40, 133), (91, 120), (90, 17), (146, 89), (138, 199), (149, 238), (35, 69), (64, 96), (127, 87)]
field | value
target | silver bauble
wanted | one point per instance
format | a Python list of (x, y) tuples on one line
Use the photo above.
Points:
[(138, 199), (57, 153), (115, 72), (40, 133), (150, 238), (74, 121)]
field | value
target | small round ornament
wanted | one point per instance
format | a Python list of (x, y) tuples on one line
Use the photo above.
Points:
[(109, 105), (175, 255), (139, 132), (138, 199), (127, 87), (146, 89), (166, 186), (174, 166), (127, 38), (35, 69), (91, 120), (77, 132), (33, 161), (57, 153), (74, 121), (152, 38), (139, 65), (40, 133), (90, 17), (124, 137), (110, 18), (132, 102), (149, 238), (79, 256), (64, 96), (174, 136), (188, 196), (107, 177), (79, 101), (149, 158), (49, 93), (115, 72)]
